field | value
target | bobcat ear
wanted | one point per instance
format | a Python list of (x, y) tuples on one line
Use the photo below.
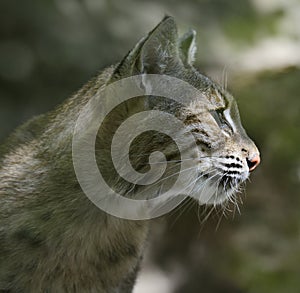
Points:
[(153, 54), (160, 51), (187, 46)]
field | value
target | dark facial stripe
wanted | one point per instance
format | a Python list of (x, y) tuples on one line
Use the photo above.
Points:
[(232, 165)]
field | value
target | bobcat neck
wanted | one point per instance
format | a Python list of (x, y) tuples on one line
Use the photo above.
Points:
[(66, 239)]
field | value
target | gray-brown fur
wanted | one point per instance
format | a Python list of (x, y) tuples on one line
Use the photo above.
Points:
[(52, 238)]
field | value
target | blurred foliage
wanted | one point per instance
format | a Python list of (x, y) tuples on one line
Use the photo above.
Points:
[(259, 250), (49, 48)]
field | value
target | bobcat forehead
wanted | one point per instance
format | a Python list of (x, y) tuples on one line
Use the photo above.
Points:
[(211, 99), (215, 97)]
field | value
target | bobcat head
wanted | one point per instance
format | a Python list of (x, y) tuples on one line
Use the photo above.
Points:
[(225, 155)]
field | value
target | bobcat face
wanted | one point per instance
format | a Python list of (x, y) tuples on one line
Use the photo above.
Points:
[(226, 155)]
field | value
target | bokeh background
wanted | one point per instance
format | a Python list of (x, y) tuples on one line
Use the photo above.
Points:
[(49, 48)]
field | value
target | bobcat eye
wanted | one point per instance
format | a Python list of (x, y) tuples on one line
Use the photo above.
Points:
[(220, 119)]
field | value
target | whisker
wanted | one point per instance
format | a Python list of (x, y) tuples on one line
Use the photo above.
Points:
[(223, 214), (207, 216), (170, 161), (170, 176), (224, 78), (186, 187), (178, 161)]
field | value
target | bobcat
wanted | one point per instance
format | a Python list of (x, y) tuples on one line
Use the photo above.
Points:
[(52, 237)]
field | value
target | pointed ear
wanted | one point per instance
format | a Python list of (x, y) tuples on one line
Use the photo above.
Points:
[(155, 53), (160, 51), (187, 47)]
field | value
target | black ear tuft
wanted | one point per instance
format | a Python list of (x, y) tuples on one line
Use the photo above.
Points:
[(187, 46)]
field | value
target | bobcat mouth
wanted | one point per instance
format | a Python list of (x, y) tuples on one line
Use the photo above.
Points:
[(228, 182), (219, 186), (232, 173)]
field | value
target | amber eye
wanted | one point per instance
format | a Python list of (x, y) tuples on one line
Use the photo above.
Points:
[(220, 119)]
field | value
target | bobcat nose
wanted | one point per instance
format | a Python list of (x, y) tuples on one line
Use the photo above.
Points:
[(253, 162)]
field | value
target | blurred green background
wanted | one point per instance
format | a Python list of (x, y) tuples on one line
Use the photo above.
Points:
[(49, 48)]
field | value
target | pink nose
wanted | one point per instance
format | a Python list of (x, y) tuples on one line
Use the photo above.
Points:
[(253, 163)]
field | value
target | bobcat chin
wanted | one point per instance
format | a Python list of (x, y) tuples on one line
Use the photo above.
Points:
[(52, 237)]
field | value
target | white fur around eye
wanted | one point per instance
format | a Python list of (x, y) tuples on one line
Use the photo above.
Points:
[(192, 50), (229, 119), (225, 133)]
